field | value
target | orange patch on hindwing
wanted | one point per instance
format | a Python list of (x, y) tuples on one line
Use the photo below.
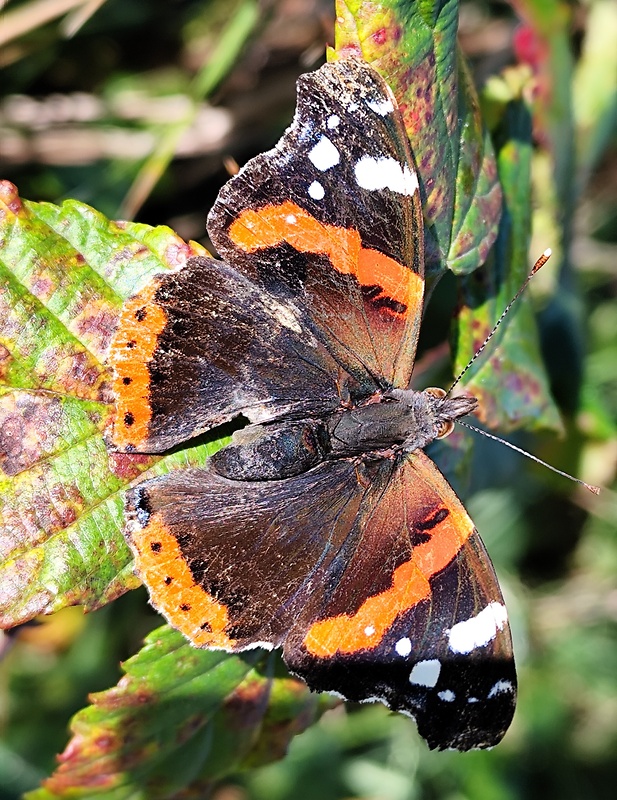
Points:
[(141, 323), (186, 605), (349, 633), (289, 223)]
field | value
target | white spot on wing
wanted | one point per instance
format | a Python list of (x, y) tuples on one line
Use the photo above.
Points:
[(447, 696), (373, 699), (472, 700), (333, 121), (324, 154), (316, 190), (255, 645), (381, 107), (479, 630), (403, 646), (369, 630), (291, 219), (284, 315), (500, 688), (385, 172), (426, 673)]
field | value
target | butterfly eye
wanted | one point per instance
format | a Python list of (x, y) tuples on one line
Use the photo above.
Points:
[(436, 391), (445, 429), (446, 426)]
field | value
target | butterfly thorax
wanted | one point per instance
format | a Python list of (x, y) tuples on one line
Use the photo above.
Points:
[(404, 419), (400, 420)]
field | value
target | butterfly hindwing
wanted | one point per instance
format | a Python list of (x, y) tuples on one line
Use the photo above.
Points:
[(332, 217), (389, 596), (183, 527)]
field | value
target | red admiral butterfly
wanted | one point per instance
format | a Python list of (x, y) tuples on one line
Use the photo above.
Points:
[(323, 528)]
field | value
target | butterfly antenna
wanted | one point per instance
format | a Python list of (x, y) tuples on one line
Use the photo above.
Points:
[(591, 487), (536, 267)]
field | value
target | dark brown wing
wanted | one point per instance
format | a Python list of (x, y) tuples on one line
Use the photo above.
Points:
[(417, 619), (332, 217), (371, 575), (323, 298), (231, 564), (201, 345)]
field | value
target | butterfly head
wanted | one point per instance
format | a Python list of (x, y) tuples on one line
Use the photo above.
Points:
[(431, 414), (446, 410)]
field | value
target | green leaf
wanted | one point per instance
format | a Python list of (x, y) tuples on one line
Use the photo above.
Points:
[(413, 46), (595, 98), (181, 718), (64, 274), (509, 379)]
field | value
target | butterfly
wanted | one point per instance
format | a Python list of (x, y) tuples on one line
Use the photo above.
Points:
[(322, 528)]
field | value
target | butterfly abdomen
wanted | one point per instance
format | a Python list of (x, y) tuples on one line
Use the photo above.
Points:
[(272, 452)]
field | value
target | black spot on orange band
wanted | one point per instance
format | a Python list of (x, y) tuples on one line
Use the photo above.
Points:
[(432, 521), (187, 605), (132, 349)]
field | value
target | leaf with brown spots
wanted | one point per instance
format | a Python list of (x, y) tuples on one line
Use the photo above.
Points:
[(179, 719), (510, 380), (64, 274), (413, 46)]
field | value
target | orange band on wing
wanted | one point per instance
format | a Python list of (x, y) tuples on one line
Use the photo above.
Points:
[(185, 604), (291, 224), (365, 629), (141, 323)]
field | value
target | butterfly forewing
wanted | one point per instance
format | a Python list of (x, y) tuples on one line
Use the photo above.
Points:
[(431, 636), (332, 217), (221, 346)]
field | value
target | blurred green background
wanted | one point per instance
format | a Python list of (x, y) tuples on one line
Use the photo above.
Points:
[(106, 102)]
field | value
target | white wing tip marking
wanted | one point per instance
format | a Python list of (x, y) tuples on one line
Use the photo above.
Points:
[(324, 154), (501, 687), (385, 172), (403, 646), (426, 673), (381, 107), (477, 631), (316, 191)]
